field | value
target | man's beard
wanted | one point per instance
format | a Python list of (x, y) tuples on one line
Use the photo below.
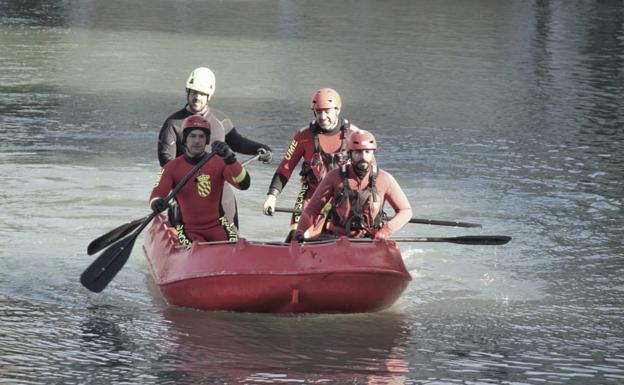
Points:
[(361, 168)]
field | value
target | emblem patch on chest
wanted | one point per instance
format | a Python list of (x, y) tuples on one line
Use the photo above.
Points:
[(203, 185)]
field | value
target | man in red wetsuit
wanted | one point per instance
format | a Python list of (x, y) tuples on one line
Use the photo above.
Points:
[(202, 214), (200, 87), (321, 144), (357, 193)]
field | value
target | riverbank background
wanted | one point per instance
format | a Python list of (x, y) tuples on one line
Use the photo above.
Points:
[(505, 113)]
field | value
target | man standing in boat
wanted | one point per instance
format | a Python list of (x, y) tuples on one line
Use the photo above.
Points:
[(200, 87), (357, 193), (202, 214), (321, 144)]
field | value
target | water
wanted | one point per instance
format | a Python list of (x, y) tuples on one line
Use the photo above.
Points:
[(508, 114)]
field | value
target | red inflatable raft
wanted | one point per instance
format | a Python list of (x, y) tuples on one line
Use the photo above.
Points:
[(329, 277)]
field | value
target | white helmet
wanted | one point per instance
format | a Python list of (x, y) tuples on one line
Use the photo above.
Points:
[(202, 79)]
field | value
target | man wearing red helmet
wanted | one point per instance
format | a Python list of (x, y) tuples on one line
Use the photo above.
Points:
[(321, 144), (200, 87), (202, 215), (357, 193)]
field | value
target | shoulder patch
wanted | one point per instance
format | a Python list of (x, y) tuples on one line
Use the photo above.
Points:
[(291, 150)]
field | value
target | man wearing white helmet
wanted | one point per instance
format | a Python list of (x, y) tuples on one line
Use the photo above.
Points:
[(200, 88)]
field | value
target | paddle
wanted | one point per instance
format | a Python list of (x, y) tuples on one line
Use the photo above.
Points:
[(413, 220), (487, 240), (99, 274), (116, 234)]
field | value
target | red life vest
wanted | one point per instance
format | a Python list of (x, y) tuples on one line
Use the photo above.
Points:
[(322, 162), (353, 210)]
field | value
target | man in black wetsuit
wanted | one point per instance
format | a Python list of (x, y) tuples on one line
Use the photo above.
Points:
[(200, 87)]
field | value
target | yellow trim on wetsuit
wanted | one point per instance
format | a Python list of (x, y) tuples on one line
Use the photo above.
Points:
[(240, 176)]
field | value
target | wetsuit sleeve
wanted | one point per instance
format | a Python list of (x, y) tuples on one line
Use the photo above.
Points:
[(277, 184), (236, 175), (323, 194), (164, 184), (166, 143), (289, 162), (397, 199), (239, 143)]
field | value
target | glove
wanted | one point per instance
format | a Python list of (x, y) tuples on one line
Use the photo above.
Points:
[(266, 156), (159, 205), (224, 151), (269, 205), (383, 233)]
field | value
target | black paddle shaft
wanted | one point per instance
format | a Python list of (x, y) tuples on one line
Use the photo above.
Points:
[(412, 220), (486, 240)]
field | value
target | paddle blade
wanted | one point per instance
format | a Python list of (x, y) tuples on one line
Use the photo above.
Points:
[(113, 236), (486, 240), (492, 240), (99, 274)]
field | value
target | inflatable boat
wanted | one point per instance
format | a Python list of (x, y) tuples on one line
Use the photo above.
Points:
[(337, 276)]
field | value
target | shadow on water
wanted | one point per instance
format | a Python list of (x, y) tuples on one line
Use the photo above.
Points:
[(44, 344), (101, 332)]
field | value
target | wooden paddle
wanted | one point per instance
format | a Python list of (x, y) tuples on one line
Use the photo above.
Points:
[(116, 234), (99, 274), (413, 220)]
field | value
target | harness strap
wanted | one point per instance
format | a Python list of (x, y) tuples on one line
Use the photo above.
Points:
[(343, 140), (313, 171), (356, 202)]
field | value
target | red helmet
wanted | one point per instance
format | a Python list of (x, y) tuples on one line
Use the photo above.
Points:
[(195, 122), (326, 98), (361, 140)]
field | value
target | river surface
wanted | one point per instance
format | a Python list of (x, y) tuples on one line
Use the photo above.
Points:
[(505, 113)]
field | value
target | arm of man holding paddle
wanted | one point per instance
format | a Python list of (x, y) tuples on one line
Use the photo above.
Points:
[(99, 274), (395, 196)]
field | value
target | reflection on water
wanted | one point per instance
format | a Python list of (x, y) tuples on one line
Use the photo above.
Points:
[(508, 114), (224, 347)]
